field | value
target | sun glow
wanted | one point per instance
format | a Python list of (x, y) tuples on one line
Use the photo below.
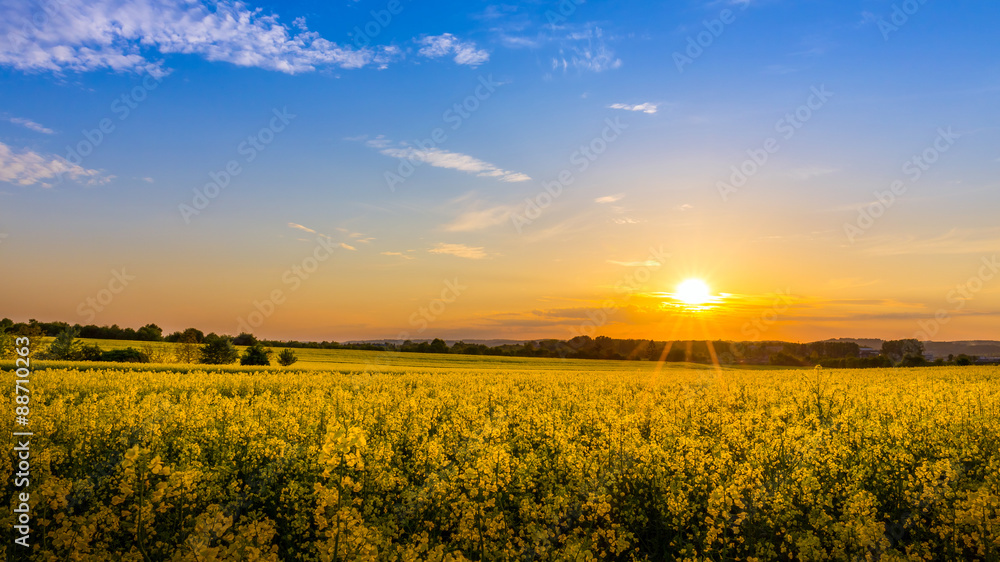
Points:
[(693, 292)]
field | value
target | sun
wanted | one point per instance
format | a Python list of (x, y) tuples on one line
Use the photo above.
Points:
[(693, 292)]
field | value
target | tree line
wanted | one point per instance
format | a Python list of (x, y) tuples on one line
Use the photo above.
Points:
[(195, 346)]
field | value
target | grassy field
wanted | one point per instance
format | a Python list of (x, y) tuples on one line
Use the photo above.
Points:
[(346, 456)]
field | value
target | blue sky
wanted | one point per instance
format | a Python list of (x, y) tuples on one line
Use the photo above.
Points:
[(199, 79)]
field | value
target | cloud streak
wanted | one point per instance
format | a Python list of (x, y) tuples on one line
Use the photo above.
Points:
[(446, 159), (642, 107), (479, 219), (300, 227), (647, 263), (29, 124)]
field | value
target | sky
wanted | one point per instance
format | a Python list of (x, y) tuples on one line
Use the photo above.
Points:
[(471, 170)]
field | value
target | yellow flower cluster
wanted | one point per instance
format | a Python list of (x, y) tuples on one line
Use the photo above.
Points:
[(683, 464)]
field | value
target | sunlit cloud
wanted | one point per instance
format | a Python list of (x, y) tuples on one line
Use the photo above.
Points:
[(647, 263), (397, 254), (479, 219), (300, 227), (459, 250)]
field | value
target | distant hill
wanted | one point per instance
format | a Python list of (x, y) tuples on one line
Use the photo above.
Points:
[(873, 343), (977, 348), (489, 343)]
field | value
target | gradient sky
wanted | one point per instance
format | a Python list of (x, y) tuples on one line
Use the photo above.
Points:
[(644, 110)]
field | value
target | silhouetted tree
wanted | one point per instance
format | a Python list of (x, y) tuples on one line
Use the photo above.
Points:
[(64, 347), (149, 332), (287, 357), (188, 350), (244, 339), (127, 355), (256, 354), (898, 349), (218, 350), (91, 352), (6, 342)]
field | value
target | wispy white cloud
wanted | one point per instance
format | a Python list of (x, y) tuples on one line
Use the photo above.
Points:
[(300, 227), (802, 174), (647, 263), (479, 219), (586, 50), (445, 159), (26, 167), (356, 235), (397, 254), (610, 198), (643, 107), (86, 35), (465, 52), (29, 124), (984, 241), (459, 250)]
